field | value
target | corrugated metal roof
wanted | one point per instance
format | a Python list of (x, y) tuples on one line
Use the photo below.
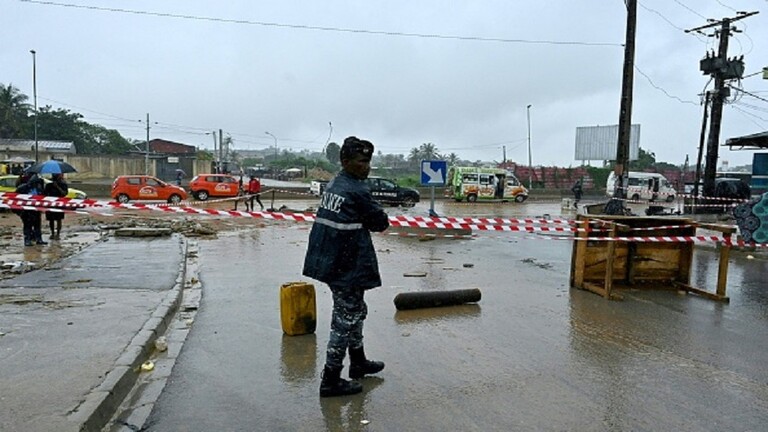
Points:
[(749, 142), (44, 145)]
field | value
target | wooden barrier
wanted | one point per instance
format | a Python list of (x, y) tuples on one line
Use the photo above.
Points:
[(604, 266)]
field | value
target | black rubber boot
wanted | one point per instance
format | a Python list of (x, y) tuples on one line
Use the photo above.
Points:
[(361, 366), (333, 385)]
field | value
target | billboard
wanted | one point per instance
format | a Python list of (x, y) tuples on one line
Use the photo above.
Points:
[(600, 142)]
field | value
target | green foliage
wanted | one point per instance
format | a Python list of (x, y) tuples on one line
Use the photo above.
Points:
[(333, 153), (206, 155), (645, 160), (409, 181), (14, 112), (427, 151), (17, 121), (105, 141), (599, 176)]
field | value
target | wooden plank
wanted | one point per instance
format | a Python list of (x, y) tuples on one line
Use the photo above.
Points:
[(722, 271), (610, 255), (701, 292), (597, 289), (593, 287), (597, 256), (579, 256)]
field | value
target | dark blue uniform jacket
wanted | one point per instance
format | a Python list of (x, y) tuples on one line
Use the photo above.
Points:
[(340, 252)]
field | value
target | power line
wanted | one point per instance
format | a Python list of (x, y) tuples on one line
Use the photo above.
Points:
[(726, 6), (690, 10), (748, 93), (751, 115), (88, 110), (660, 16), (752, 107), (662, 90), (321, 28)]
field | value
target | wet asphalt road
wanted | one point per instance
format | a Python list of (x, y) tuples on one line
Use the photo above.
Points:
[(532, 355)]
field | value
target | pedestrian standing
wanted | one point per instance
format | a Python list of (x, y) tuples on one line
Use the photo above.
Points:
[(30, 219), (341, 254), (254, 190), (56, 188), (179, 176), (240, 197), (577, 192)]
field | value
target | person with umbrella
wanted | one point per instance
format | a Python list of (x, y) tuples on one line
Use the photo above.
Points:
[(179, 175), (52, 166), (56, 188), (30, 219)]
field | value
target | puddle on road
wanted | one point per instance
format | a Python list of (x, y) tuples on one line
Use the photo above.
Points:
[(438, 314), (16, 258)]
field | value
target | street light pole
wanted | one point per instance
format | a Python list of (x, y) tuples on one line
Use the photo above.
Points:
[(530, 164), (330, 132), (34, 92), (274, 138)]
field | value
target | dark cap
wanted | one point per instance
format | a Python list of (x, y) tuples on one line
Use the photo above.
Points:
[(353, 145)]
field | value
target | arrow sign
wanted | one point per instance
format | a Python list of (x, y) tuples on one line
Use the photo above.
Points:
[(433, 172)]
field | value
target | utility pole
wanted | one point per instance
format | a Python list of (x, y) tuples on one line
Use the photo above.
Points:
[(221, 151), (504, 154), (620, 170), (722, 69), (215, 165), (146, 153), (530, 163), (703, 135), (34, 90)]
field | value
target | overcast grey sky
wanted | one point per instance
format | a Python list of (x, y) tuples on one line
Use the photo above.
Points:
[(206, 71)]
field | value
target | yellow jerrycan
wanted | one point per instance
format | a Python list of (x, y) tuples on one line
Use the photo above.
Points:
[(298, 311)]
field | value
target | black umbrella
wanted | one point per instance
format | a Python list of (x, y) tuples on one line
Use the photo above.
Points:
[(52, 166)]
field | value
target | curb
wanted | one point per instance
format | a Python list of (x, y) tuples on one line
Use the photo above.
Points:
[(95, 412)]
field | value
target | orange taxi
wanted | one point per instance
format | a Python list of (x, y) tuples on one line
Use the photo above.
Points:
[(143, 187), (203, 186)]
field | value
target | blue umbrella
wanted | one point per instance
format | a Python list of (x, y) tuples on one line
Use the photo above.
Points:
[(52, 166)]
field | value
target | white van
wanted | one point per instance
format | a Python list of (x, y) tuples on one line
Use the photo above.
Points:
[(644, 186)]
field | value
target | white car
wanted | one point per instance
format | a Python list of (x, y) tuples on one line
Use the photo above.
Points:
[(316, 187)]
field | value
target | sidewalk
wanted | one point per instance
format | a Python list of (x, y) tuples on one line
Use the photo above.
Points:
[(72, 336)]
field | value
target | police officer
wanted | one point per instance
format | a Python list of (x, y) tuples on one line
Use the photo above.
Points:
[(341, 254)]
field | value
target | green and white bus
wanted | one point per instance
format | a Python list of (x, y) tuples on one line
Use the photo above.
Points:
[(472, 184)]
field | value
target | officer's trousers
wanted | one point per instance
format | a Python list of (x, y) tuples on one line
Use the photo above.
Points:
[(349, 312)]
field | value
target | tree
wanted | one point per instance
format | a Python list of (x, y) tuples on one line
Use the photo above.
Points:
[(205, 155), (644, 161), (105, 141), (425, 151), (429, 151), (62, 124), (14, 112), (332, 153)]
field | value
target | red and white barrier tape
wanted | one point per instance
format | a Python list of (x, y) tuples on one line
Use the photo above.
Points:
[(40, 203)]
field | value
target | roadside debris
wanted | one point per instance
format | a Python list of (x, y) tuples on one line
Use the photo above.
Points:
[(161, 344), (428, 299), (147, 366)]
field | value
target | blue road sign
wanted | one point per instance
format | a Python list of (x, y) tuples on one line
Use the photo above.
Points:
[(433, 172)]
